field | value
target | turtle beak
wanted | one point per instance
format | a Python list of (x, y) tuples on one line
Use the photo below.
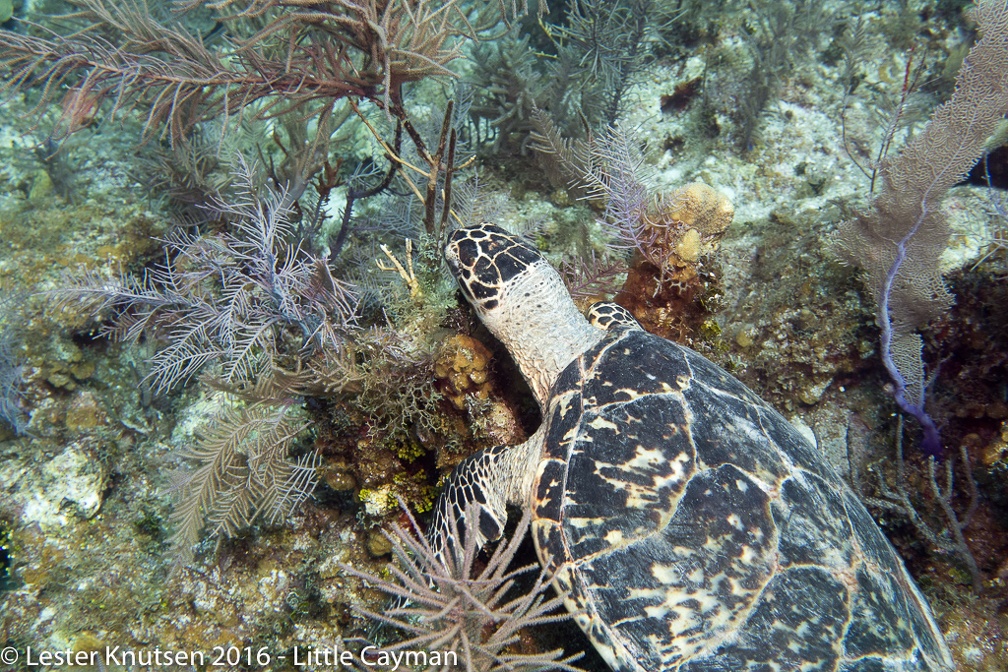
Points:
[(451, 256), (461, 253)]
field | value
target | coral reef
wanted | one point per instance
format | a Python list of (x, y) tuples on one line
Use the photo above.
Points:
[(672, 235), (374, 398)]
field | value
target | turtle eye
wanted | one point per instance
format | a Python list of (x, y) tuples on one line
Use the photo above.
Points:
[(467, 251), (482, 291)]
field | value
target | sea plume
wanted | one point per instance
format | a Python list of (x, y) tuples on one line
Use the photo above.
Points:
[(463, 605), (228, 300)]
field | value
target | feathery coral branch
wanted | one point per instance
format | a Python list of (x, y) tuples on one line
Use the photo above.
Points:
[(455, 607), (305, 53), (227, 299)]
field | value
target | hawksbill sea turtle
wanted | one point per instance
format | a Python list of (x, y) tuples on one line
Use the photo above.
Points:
[(687, 525)]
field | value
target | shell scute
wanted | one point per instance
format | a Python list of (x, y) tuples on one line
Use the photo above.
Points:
[(797, 624), (879, 626), (549, 493), (548, 538), (640, 369), (751, 434), (695, 577), (813, 524), (732, 431), (624, 473)]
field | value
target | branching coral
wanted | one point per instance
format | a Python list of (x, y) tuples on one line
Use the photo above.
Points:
[(668, 230), (508, 82), (579, 68), (593, 278), (897, 499), (299, 54), (234, 300), (779, 35), (604, 43), (466, 607), (260, 316), (244, 300), (244, 472), (397, 380)]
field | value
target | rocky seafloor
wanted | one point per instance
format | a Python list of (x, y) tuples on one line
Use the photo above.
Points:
[(86, 483)]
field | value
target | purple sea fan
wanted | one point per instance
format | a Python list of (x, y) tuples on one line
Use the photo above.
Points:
[(899, 241), (236, 299)]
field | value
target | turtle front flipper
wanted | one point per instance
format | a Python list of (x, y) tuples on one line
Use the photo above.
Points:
[(607, 314), (483, 485)]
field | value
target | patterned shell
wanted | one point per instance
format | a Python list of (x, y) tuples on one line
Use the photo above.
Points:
[(691, 527)]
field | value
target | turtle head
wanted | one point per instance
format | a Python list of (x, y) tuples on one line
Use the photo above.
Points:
[(485, 259), (522, 300)]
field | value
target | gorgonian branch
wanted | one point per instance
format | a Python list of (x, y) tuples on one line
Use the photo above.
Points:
[(298, 52), (464, 605)]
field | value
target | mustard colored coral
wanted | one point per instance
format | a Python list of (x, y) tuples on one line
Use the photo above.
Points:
[(461, 364), (682, 226), (701, 207), (688, 247)]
